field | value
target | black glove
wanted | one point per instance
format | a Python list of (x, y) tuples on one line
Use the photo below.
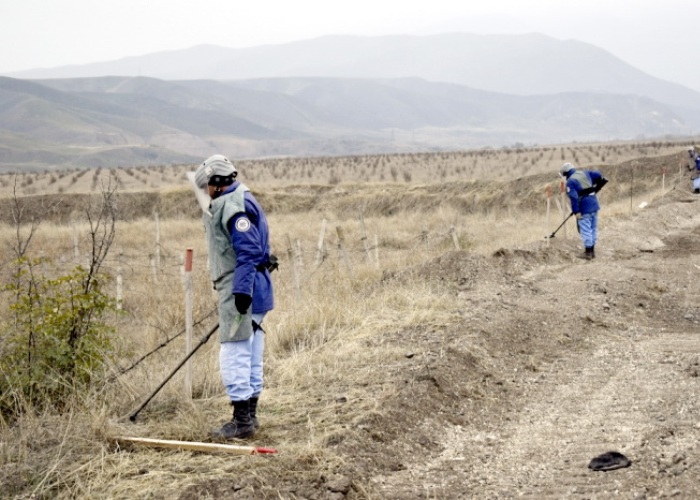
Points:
[(599, 185), (242, 301), (272, 263)]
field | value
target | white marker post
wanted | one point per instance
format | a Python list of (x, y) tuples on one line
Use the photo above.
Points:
[(188, 322), (157, 249), (76, 248), (365, 242), (120, 282), (319, 248), (376, 249), (455, 238), (548, 191), (295, 270), (663, 182)]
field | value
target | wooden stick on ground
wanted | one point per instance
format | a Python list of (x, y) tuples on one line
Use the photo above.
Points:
[(196, 446)]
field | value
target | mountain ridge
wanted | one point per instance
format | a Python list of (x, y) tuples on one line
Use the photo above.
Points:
[(514, 64), (336, 95)]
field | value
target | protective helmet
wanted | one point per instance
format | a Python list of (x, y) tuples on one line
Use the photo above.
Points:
[(565, 168), (213, 170)]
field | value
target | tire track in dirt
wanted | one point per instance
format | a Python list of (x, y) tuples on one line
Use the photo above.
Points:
[(613, 399), (634, 394), (635, 388)]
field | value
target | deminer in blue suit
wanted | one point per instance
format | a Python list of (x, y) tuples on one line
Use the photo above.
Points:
[(239, 263), (694, 167), (582, 187)]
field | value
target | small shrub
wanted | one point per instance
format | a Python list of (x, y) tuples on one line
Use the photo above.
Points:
[(56, 341)]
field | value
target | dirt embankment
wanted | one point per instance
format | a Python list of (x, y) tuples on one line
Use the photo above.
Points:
[(556, 361)]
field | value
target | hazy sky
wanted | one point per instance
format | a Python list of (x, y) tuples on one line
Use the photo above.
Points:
[(659, 37)]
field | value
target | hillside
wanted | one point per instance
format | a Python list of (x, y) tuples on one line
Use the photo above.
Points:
[(125, 121), (334, 95)]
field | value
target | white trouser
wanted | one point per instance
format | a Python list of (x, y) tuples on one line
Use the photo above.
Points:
[(241, 364)]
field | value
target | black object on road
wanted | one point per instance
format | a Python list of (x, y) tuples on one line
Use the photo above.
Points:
[(610, 460)]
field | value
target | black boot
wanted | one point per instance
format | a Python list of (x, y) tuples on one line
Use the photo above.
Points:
[(593, 252), (253, 407), (240, 426), (589, 253), (696, 191)]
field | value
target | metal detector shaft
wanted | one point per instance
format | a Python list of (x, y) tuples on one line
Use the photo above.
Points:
[(560, 226), (202, 341)]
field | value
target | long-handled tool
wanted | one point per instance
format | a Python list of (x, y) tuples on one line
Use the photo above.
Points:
[(560, 226), (202, 341)]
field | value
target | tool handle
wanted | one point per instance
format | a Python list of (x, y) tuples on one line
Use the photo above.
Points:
[(202, 341)]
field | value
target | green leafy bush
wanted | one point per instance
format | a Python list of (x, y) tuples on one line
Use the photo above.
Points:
[(56, 339)]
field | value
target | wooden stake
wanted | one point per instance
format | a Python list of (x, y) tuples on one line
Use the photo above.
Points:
[(376, 250), (549, 203), (341, 249), (298, 256), (663, 182), (120, 287), (295, 269), (424, 236), (188, 322), (157, 228), (320, 254), (196, 446), (76, 250), (364, 237), (455, 239), (154, 275)]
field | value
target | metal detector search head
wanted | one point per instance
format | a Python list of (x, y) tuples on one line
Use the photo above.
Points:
[(560, 226)]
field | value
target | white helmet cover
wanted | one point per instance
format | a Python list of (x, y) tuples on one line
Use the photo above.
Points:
[(214, 165)]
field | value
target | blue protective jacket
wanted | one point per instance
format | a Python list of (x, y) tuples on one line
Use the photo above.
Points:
[(250, 239), (577, 184)]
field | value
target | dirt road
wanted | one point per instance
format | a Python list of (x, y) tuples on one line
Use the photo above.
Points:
[(557, 360)]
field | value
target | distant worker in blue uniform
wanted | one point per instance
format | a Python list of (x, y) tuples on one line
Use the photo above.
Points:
[(694, 167), (239, 263), (582, 187)]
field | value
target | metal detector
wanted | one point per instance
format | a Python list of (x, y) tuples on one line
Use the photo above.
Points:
[(560, 226)]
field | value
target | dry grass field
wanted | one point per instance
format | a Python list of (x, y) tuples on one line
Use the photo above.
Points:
[(427, 340)]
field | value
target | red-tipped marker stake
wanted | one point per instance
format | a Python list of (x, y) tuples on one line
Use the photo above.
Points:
[(197, 446), (265, 450)]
